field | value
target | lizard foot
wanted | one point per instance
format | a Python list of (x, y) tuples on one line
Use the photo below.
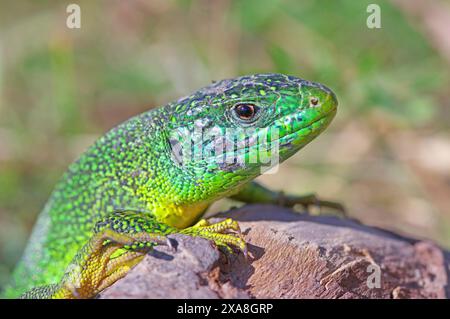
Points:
[(120, 241), (224, 234), (309, 201)]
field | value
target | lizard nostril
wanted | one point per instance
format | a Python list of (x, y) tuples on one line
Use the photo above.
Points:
[(314, 101)]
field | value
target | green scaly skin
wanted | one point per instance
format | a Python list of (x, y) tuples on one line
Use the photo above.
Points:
[(128, 191)]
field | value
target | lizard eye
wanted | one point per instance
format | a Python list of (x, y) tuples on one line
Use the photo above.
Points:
[(245, 111)]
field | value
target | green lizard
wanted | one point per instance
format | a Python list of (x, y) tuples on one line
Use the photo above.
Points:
[(141, 181)]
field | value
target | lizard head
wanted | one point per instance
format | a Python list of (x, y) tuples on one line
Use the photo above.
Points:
[(241, 127)]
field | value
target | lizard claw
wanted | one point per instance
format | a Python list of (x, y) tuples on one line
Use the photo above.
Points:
[(171, 244), (224, 234)]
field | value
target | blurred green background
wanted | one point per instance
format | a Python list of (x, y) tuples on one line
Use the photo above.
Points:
[(386, 156)]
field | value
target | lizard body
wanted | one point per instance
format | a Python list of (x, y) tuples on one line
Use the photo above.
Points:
[(137, 184)]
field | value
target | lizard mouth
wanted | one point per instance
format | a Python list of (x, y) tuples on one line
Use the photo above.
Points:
[(291, 139), (308, 131), (291, 128)]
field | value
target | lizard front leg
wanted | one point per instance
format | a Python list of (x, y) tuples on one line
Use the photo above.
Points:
[(120, 241), (256, 193)]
